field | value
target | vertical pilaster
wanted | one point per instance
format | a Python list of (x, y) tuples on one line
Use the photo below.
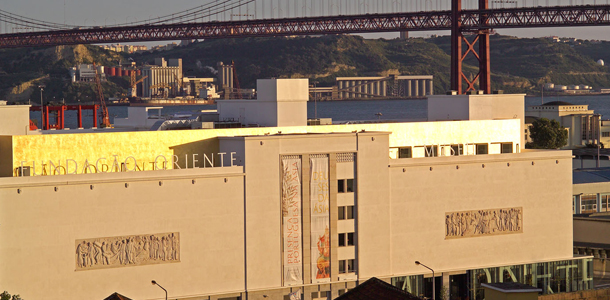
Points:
[(306, 220), (333, 210)]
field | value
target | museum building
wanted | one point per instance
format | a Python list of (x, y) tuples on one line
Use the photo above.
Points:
[(263, 212)]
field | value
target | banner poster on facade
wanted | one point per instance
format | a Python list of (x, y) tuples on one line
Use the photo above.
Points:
[(320, 220), (291, 212)]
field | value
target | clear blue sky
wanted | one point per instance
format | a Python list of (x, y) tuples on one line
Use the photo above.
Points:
[(109, 12)]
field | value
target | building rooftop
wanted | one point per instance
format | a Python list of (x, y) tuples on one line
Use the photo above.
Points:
[(591, 175), (376, 289)]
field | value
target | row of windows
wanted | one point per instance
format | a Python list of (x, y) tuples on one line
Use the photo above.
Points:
[(455, 150), (345, 185), (346, 239), (346, 212), (347, 266), (588, 203)]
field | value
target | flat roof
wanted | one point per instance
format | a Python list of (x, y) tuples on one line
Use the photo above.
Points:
[(595, 175)]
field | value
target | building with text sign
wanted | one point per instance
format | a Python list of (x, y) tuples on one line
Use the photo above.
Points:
[(265, 212)]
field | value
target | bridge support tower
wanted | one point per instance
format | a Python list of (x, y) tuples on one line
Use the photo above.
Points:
[(458, 78)]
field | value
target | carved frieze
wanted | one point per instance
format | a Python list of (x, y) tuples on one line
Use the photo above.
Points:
[(123, 251), (484, 222)]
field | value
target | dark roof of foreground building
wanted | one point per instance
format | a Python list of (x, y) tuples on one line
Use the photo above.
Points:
[(117, 296), (511, 287), (375, 289), (557, 103), (592, 175)]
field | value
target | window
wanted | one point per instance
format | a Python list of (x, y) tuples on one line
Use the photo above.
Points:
[(481, 149), (350, 212), (350, 239), (351, 265), (588, 203), (345, 186), (347, 266), (506, 148), (431, 151), (342, 264), (405, 152), (605, 202), (457, 150), (605, 133), (346, 212), (350, 185), (346, 239)]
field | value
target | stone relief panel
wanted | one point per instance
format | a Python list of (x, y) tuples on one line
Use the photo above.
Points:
[(123, 251), (485, 222)]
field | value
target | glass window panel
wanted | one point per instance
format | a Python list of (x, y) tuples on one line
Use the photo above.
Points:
[(507, 148), (341, 266), (341, 186), (351, 265), (350, 239), (350, 212), (341, 239), (405, 152), (350, 185), (341, 212), (481, 149)]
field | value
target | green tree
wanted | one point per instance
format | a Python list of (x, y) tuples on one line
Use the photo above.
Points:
[(6, 296), (547, 134)]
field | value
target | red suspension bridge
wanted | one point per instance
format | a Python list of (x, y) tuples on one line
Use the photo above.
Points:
[(469, 27)]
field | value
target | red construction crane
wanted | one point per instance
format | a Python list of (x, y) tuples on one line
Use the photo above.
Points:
[(105, 120)]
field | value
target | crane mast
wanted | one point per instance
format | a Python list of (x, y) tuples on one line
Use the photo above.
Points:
[(105, 120)]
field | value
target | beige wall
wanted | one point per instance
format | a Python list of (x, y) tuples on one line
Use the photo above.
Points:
[(15, 119), (40, 225), (421, 196)]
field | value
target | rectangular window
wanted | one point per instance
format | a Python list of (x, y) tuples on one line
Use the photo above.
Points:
[(350, 212), (342, 266), (481, 149), (350, 185), (431, 151), (405, 152), (341, 239), (457, 150), (341, 186), (605, 202), (605, 133), (507, 148), (341, 213), (350, 239), (351, 265), (588, 203)]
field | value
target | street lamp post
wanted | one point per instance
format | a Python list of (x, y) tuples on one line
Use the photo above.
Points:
[(155, 283), (433, 278), (41, 105)]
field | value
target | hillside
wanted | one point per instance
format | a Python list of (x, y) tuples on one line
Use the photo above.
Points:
[(518, 65)]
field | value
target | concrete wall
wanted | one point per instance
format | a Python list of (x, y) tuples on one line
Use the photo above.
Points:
[(15, 119), (423, 190), (40, 226), (478, 107), (280, 102)]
